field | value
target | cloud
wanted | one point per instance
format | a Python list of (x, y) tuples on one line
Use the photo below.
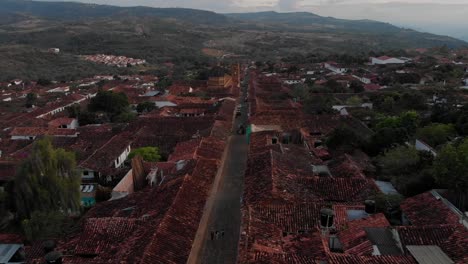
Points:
[(288, 5)]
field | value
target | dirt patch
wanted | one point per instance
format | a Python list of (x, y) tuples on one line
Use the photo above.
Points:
[(213, 52)]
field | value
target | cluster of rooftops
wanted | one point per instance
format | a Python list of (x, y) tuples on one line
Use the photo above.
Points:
[(302, 203)]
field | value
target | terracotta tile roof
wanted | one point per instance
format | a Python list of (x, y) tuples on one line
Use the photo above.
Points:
[(424, 235), (170, 243), (7, 170), (258, 180), (417, 211), (262, 141), (455, 245), (275, 175), (341, 214), (340, 189), (346, 167), (6, 238), (289, 217), (103, 235), (277, 258), (61, 121), (353, 259), (452, 239), (103, 158), (277, 229), (221, 129), (355, 240), (29, 131), (185, 150), (211, 148)]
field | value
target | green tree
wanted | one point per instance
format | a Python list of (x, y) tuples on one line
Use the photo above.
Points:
[(354, 101), (319, 105), (44, 82), (410, 120), (145, 107), (150, 154), (451, 167), (399, 160), (436, 134), (388, 105), (356, 86), (44, 225), (47, 180), (74, 111), (385, 138), (109, 102), (164, 83), (86, 118), (124, 117), (300, 91), (31, 99), (408, 169), (344, 138)]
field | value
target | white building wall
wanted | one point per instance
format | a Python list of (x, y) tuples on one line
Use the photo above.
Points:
[(376, 61), (73, 124), (88, 174), (335, 69), (421, 146), (23, 137), (121, 159)]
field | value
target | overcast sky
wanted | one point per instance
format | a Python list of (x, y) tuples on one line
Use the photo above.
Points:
[(447, 17)]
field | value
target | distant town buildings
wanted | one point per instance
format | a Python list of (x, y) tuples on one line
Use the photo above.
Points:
[(54, 50), (387, 60), (334, 67), (111, 60)]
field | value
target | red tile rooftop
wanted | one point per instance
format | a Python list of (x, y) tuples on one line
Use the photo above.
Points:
[(353, 259), (6, 238), (29, 131), (100, 236), (104, 157), (452, 239), (278, 258), (384, 58), (185, 150), (354, 238), (7, 170), (170, 243), (418, 212), (61, 121)]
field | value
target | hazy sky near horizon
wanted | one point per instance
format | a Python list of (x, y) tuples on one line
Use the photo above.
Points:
[(446, 17)]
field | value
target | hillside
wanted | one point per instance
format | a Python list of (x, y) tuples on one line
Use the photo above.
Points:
[(183, 36), (313, 21), (78, 11)]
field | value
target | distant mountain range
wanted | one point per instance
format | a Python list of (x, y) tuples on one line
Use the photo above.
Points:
[(183, 35), (298, 21)]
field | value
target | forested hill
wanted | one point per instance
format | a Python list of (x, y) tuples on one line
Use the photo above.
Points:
[(181, 36), (301, 19), (76, 11)]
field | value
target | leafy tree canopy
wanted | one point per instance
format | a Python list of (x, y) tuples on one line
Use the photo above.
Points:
[(436, 134), (109, 102), (451, 167), (150, 154), (399, 159), (145, 107), (47, 181), (354, 101)]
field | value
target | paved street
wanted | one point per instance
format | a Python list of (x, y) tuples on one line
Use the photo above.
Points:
[(219, 236)]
